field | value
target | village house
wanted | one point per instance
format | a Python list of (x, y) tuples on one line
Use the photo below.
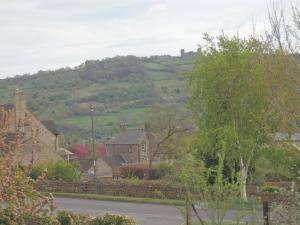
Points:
[(40, 137), (129, 147)]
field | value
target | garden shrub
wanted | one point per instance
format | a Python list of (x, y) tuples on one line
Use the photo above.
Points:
[(62, 170), (37, 171), (109, 219), (271, 189), (58, 170), (69, 218), (140, 171), (64, 217)]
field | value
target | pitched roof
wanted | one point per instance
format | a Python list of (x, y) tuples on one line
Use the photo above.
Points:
[(50, 125), (85, 164), (128, 137), (7, 106), (114, 161), (295, 137)]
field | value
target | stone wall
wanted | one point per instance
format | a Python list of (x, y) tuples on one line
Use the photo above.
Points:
[(144, 189)]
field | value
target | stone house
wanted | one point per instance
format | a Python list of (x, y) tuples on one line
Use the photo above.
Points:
[(130, 147), (40, 137), (103, 169)]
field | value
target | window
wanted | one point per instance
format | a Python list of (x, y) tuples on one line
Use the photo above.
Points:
[(143, 147)]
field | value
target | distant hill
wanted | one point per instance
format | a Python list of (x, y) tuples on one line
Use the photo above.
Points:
[(121, 88)]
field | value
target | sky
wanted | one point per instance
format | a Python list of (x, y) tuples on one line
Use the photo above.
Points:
[(49, 34)]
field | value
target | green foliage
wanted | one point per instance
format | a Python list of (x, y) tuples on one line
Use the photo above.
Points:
[(37, 171), (109, 219), (58, 170), (68, 218), (279, 163), (271, 189), (235, 85), (140, 171), (62, 170), (114, 85), (216, 197)]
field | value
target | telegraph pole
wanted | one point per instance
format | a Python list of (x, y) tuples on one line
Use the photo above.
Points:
[(92, 109)]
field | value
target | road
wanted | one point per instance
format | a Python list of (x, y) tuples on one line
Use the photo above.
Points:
[(144, 214)]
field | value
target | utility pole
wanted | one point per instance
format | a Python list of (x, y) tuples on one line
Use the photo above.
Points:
[(92, 109)]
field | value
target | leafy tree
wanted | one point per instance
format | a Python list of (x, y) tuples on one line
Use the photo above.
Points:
[(166, 125), (80, 150), (242, 94), (20, 203)]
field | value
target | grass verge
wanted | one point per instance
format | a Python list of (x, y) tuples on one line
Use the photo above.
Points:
[(119, 198)]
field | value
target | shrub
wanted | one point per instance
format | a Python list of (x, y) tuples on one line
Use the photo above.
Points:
[(109, 219), (69, 218), (37, 171), (271, 189), (62, 170), (139, 171), (64, 217), (165, 169)]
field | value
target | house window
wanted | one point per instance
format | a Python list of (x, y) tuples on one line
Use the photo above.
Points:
[(143, 147), (129, 150)]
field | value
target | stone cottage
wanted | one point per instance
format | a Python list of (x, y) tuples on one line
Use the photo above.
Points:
[(130, 146), (40, 137)]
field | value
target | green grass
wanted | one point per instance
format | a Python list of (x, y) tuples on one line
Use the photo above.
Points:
[(120, 198), (133, 116)]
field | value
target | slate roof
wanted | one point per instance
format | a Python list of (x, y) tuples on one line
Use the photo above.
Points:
[(7, 106), (285, 137), (129, 137), (50, 125), (85, 164), (114, 161)]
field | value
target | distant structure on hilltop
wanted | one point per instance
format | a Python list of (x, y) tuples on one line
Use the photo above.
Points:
[(184, 54), (40, 137)]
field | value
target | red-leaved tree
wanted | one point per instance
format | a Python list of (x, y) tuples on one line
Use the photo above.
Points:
[(80, 150), (101, 150)]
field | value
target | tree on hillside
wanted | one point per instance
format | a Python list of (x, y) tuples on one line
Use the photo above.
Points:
[(242, 94)]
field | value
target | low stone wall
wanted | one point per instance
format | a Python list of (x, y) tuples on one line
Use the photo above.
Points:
[(144, 189)]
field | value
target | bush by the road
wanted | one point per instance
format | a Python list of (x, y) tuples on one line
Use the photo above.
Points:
[(59, 170), (69, 218), (141, 171)]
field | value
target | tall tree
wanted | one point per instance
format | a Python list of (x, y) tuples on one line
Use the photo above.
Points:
[(242, 96)]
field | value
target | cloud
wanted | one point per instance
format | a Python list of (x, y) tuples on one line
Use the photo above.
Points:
[(47, 34)]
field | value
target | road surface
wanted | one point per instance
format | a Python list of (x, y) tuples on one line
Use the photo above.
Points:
[(142, 213)]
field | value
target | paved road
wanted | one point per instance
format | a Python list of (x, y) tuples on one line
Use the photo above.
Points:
[(144, 214)]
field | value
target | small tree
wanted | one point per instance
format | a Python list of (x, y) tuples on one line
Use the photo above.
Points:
[(208, 187), (19, 201)]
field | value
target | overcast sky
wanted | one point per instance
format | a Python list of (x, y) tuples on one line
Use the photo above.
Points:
[(48, 34)]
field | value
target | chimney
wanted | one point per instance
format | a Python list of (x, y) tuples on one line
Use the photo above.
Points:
[(123, 127), (20, 107)]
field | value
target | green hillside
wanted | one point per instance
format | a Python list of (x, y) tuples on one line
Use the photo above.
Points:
[(121, 88)]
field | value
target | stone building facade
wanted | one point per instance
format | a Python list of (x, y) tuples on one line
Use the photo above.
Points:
[(130, 147), (40, 137)]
